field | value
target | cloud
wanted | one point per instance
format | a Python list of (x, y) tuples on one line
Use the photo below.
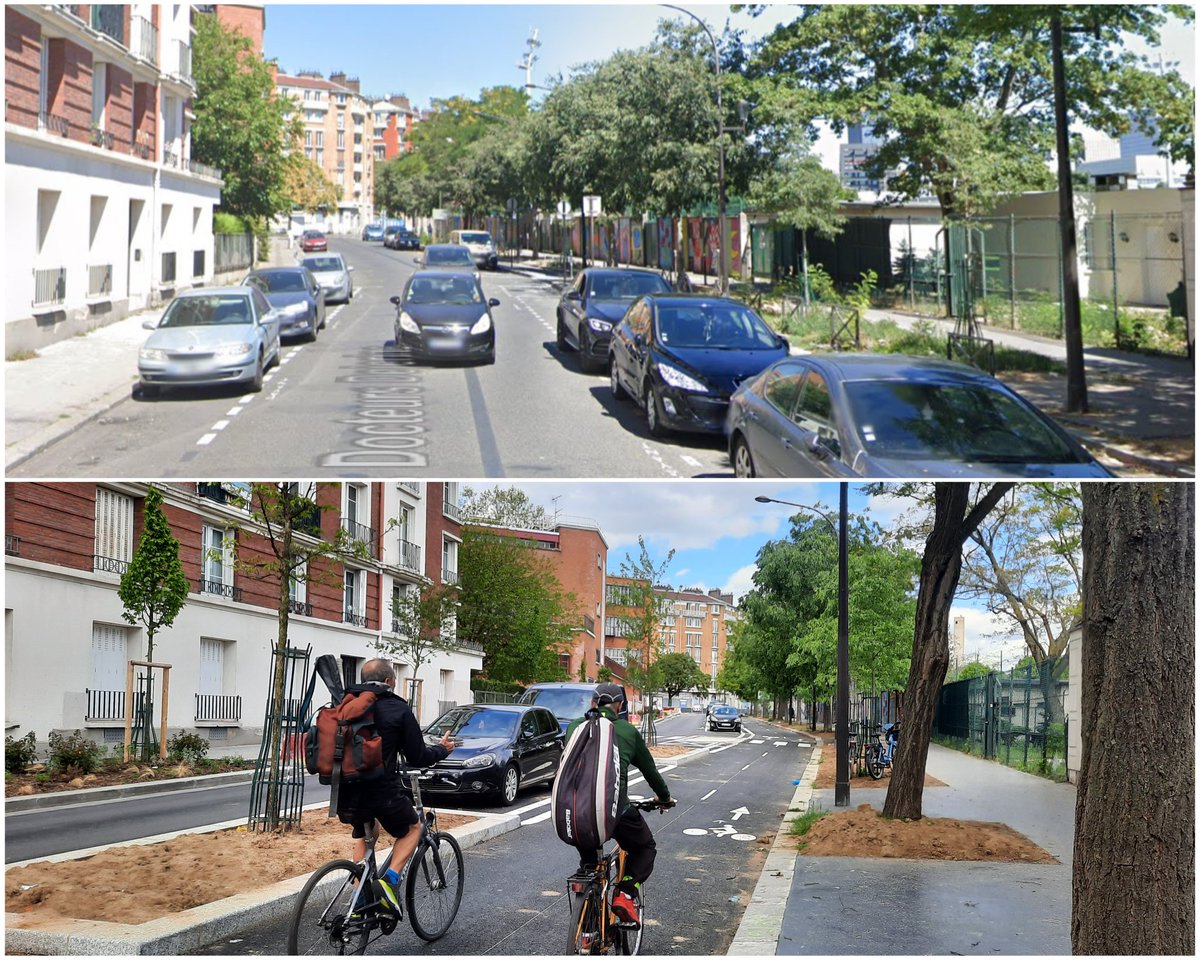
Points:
[(988, 636), (741, 581)]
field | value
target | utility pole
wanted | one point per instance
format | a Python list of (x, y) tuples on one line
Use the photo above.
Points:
[(526, 62)]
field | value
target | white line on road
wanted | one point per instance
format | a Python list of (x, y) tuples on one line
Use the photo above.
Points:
[(220, 425), (781, 743), (758, 741), (690, 461), (746, 767), (246, 399), (707, 795), (233, 412), (537, 819), (205, 440)]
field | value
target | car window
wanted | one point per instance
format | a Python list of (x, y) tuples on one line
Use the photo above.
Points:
[(564, 704), (281, 281), (782, 389), (714, 326), (639, 318), (529, 725), (318, 264), (444, 289), (260, 302), (546, 721), (215, 310), (952, 421), (475, 238), (475, 723), (626, 286), (448, 255), (814, 412)]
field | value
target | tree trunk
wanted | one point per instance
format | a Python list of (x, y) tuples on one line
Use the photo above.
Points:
[(1133, 886)]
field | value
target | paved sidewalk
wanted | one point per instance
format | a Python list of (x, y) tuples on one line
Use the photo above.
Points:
[(855, 905)]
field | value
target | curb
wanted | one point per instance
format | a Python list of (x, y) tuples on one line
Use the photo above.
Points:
[(758, 933), (42, 801), (186, 932), (28, 447)]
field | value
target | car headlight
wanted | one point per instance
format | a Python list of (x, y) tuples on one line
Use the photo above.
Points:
[(149, 353), (676, 378), (600, 326), (482, 760), (408, 324), (233, 349), (482, 325), (294, 309)]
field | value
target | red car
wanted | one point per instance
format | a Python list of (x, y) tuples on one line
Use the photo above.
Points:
[(312, 240)]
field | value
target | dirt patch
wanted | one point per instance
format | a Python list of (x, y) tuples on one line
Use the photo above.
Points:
[(668, 750), (37, 779), (827, 777), (863, 832), (133, 884)]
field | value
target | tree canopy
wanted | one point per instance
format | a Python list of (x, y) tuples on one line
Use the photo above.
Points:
[(503, 507), (676, 672), (154, 587)]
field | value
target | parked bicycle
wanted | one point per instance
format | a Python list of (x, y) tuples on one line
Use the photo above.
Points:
[(882, 749), (338, 913), (595, 928)]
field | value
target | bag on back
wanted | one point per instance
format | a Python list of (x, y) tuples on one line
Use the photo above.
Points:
[(588, 786), (343, 744)]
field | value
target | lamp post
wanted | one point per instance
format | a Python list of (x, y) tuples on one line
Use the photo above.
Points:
[(723, 249), (841, 791)]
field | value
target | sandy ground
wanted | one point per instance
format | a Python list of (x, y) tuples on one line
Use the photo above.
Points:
[(827, 776), (133, 884)]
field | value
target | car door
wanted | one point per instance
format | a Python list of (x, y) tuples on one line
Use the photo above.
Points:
[(542, 758), (769, 424), (813, 447), (268, 323), (622, 340), (527, 746), (574, 309), (635, 346)]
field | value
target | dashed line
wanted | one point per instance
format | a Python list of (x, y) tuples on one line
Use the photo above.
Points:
[(220, 425), (205, 440), (690, 461), (234, 411), (537, 819), (246, 399), (746, 767), (707, 795)]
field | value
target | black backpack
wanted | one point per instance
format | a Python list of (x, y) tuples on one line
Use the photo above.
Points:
[(588, 786)]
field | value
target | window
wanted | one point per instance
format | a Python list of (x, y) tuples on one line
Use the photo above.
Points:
[(449, 560), (319, 139), (341, 140), (693, 622), (110, 656), (715, 609), (298, 586), (352, 598), (599, 562), (217, 560), (341, 124), (114, 528), (212, 668)]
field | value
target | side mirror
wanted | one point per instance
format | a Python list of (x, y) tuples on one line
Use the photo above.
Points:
[(420, 261), (574, 295), (351, 269), (395, 301), (783, 341), (818, 449), (269, 317), (493, 302), (150, 324)]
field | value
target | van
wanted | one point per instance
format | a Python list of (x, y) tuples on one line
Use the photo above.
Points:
[(567, 701), (481, 245)]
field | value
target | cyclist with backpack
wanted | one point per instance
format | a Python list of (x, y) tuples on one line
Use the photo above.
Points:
[(631, 832), (383, 797)]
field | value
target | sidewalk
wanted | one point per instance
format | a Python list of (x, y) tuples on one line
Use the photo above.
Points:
[(855, 905)]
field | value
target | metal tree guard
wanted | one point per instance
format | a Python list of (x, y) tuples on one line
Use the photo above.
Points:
[(277, 788), (143, 742)]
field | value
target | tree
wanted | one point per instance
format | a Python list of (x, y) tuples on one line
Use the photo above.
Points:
[(307, 186), (677, 672), (956, 516), (241, 126), (424, 620), (644, 608), (970, 671), (1133, 870), (504, 507)]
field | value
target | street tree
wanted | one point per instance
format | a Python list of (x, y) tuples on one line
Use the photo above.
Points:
[(241, 126), (737, 674), (512, 605), (969, 671), (503, 507), (1133, 869), (424, 626), (307, 186), (640, 614), (677, 672)]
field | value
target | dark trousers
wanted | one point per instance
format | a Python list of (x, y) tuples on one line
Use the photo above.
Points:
[(634, 837)]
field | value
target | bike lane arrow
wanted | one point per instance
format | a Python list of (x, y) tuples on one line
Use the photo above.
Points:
[(739, 813)]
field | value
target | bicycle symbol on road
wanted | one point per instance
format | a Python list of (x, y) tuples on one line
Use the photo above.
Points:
[(725, 829)]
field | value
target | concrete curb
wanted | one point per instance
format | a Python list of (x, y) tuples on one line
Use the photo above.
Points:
[(186, 932), (758, 933), (42, 801)]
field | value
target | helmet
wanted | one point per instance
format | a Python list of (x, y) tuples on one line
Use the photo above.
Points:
[(608, 693)]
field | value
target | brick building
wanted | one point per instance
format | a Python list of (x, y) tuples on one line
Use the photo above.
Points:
[(248, 19), (105, 211), (66, 545), (394, 119)]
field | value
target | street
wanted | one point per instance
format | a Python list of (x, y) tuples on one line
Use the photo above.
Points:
[(350, 404)]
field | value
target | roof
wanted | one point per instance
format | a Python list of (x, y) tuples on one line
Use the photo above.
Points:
[(209, 291), (850, 366), (284, 80)]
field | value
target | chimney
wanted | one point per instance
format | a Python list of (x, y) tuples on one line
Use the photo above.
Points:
[(401, 101), (338, 77), (352, 83)]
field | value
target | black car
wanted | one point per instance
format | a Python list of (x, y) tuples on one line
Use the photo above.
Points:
[(594, 304), (681, 357), (296, 295), (401, 239), (499, 748), (444, 315), (568, 701), (725, 718)]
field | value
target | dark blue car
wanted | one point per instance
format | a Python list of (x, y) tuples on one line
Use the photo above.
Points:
[(567, 701), (682, 356), (594, 304)]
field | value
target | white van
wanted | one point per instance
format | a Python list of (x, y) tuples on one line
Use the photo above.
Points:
[(481, 245)]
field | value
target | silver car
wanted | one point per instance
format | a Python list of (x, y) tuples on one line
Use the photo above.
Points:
[(332, 274), (210, 336)]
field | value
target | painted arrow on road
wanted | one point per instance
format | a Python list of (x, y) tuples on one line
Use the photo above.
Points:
[(739, 813)]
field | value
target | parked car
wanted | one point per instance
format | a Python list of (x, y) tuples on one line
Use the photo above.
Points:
[(402, 239), (594, 303), (724, 718), (373, 231), (499, 749), (481, 245), (389, 233), (311, 240), (446, 256), (332, 273), (866, 415), (210, 336), (444, 315), (296, 294), (568, 701), (682, 356)]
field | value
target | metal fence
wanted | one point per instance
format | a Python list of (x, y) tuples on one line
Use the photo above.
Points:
[(1018, 718), (489, 696), (232, 251)]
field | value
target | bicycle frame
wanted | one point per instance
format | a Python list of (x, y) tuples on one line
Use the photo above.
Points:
[(597, 885)]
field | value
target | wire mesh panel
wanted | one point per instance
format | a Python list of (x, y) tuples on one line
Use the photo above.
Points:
[(277, 788)]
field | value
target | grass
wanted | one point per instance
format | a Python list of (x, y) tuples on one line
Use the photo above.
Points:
[(802, 824), (19, 355)]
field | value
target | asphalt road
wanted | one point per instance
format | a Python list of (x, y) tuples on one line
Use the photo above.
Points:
[(710, 853), (330, 410)]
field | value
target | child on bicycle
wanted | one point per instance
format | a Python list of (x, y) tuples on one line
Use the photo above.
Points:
[(632, 833)]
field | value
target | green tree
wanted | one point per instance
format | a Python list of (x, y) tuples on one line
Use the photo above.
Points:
[(425, 626), (307, 186), (241, 126), (677, 672), (503, 507), (643, 609), (968, 671)]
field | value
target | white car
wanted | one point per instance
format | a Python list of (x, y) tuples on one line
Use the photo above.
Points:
[(481, 245)]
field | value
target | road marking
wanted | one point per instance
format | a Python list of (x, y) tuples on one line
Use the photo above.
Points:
[(758, 741), (781, 743), (537, 819), (220, 425), (690, 461), (246, 399), (707, 795), (695, 832), (205, 440), (739, 813), (233, 412), (746, 767), (744, 837)]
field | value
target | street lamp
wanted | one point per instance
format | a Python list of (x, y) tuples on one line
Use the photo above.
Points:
[(723, 249), (841, 791)]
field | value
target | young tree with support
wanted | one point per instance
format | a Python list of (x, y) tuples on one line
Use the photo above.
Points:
[(645, 608), (424, 619)]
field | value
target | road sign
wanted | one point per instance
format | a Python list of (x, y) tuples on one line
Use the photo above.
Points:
[(592, 208), (564, 208)]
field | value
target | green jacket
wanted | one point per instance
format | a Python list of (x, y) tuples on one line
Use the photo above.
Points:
[(633, 750)]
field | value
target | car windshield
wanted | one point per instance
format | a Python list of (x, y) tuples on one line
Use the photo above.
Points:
[(447, 289), (564, 704), (713, 326), (320, 264), (475, 723), (284, 281), (448, 255), (630, 286), (725, 712), (313, 234), (207, 311), (968, 422), (476, 237)]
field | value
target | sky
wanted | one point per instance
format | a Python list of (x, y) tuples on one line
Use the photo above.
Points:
[(717, 528)]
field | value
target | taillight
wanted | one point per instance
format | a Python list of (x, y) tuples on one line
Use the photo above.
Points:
[(578, 886)]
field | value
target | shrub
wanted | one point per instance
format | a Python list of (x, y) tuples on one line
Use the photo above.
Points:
[(186, 748), (75, 751), (18, 754), (228, 223)]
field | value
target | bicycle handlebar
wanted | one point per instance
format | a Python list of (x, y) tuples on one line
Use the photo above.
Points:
[(655, 804)]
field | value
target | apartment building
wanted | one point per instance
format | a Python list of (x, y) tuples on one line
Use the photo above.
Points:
[(67, 646), (339, 135), (394, 119), (105, 211)]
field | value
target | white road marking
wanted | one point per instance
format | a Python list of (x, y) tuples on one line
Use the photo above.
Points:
[(744, 837), (746, 767), (233, 412), (246, 399), (695, 832), (220, 425), (690, 461), (707, 795), (205, 440), (758, 741), (537, 819), (781, 743)]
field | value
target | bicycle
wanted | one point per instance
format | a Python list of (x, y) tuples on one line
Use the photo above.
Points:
[(879, 754), (595, 928), (337, 913)]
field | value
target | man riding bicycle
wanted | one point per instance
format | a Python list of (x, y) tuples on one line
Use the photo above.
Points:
[(384, 798), (631, 833)]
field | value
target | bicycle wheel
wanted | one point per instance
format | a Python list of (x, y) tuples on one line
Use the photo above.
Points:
[(629, 942), (585, 924), (321, 921), (435, 886), (875, 761)]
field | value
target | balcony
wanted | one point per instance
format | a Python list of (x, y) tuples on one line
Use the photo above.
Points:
[(203, 169), (49, 286), (101, 138), (12, 545), (213, 491), (144, 43), (449, 576), (109, 19), (109, 565), (170, 158), (100, 280), (397, 627), (357, 619), (143, 149), (360, 533), (413, 488), (218, 708), (105, 705), (218, 588), (410, 556), (300, 608), (451, 510), (53, 123), (183, 61)]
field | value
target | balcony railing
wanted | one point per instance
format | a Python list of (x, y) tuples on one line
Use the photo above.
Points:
[(397, 627), (49, 286), (411, 487), (451, 510), (213, 707), (449, 576), (203, 169), (170, 157), (100, 280), (168, 267), (410, 555), (183, 61), (109, 19), (12, 545), (217, 588), (360, 533), (469, 646), (101, 138), (300, 607), (145, 39), (109, 565), (105, 704), (143, 149), (213, 491), (358, 619), (53, 123)]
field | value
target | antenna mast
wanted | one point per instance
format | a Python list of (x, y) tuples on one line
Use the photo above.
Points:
[(526, 62)]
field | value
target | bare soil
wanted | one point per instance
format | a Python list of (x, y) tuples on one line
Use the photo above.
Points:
[(137, 883)]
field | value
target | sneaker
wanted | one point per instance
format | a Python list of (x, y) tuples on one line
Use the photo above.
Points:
[(625, 907), (389, 898)]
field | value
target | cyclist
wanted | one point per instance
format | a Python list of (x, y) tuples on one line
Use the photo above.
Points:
[(632, 833), (383, 798)]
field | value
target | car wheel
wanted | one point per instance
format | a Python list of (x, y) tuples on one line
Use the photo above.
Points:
[(743, 463), (653, 411), (312, 333), (561, 334), (614, 379), (256, 384), (512, 784)]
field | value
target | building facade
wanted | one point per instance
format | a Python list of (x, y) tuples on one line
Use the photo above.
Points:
[(67, 544), (394, 119), (105, 211)]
